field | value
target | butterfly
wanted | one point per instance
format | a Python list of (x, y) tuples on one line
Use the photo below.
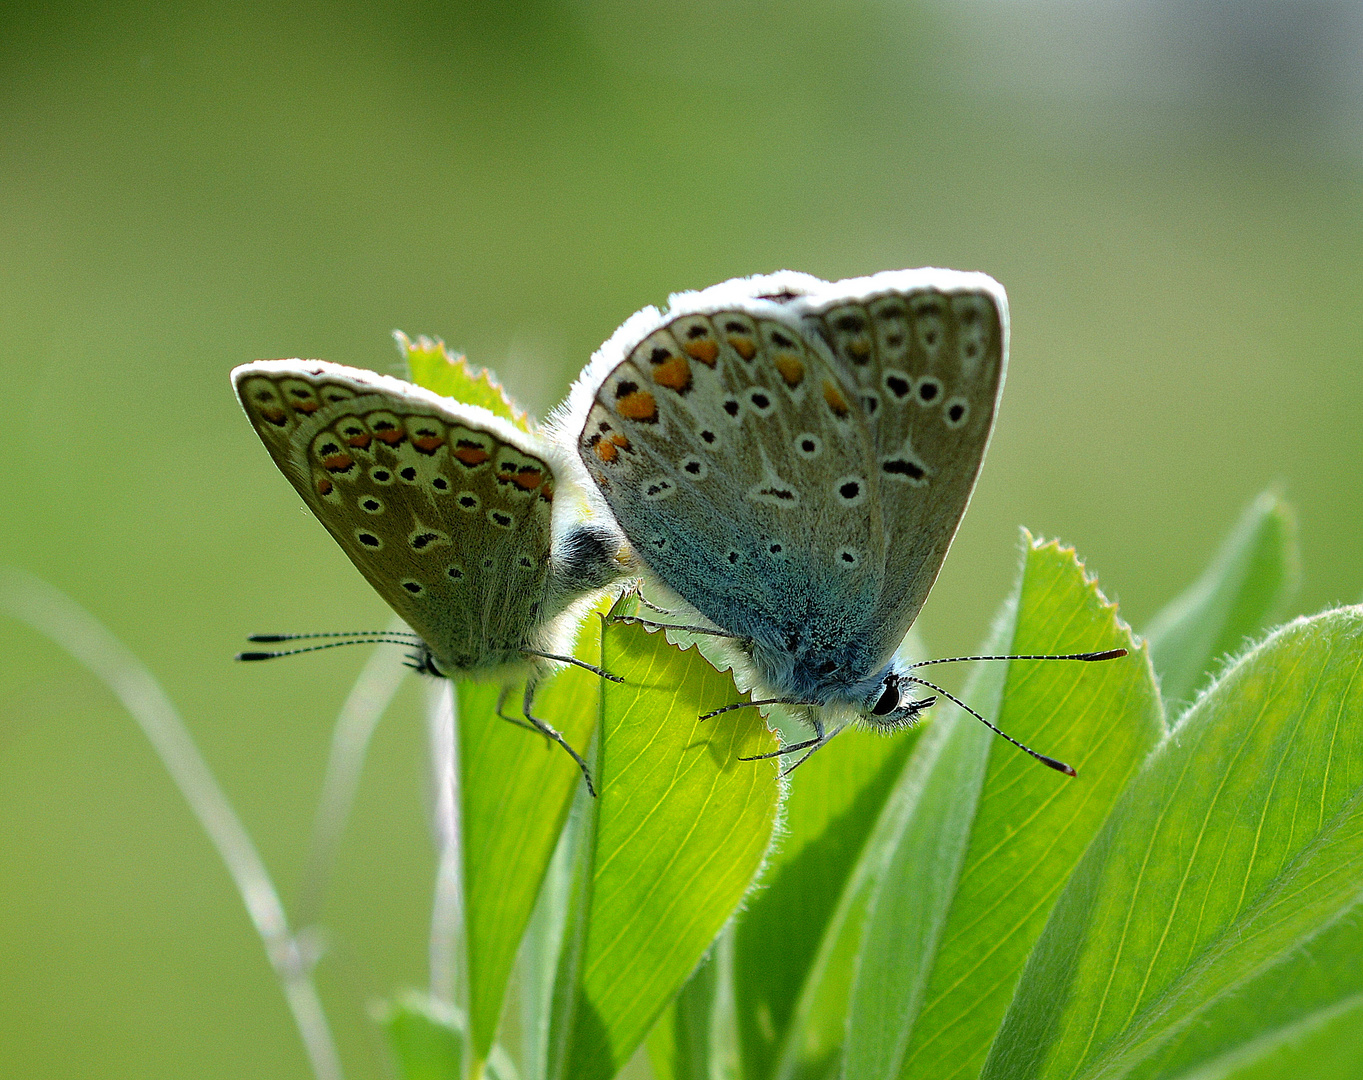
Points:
[(455, 516), (792, 458)]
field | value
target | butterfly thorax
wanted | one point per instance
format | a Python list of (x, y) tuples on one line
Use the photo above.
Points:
[(824, 672)]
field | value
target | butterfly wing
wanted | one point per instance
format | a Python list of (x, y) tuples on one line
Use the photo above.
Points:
[(730, 454), (926, 350), (445, 508)]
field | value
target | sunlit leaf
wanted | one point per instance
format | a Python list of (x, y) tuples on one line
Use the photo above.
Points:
[(425, 1039), (1246, 584), (813, 1043), (575, 900), (540, 952), (695, 1038), (682, 827), (951, 926), (1323, 1045), (516, 787), (437, 369), (911, 896), (925, 821), (1222, 901), (668, 1040), (831, 806)]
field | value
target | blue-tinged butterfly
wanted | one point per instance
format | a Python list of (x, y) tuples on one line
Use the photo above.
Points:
[(792, 458), (457, 517)]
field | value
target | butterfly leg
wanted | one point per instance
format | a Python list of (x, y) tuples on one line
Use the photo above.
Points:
[(652, 606), (550, 733), (793, 748), (574, 660), (501, 700), (635, 589), (809, 746), (751, 704)]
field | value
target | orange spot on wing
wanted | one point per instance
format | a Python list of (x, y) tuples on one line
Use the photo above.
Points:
[(836, 402), (470, 454), (324, 486), (360, 442), (790, 368), (276, 416), (338, 463), (638, 406), (308, 406), (675, 373), (608, 447), (389, 436), (428, 444), (744, 346), (703, 349), (525, 479)]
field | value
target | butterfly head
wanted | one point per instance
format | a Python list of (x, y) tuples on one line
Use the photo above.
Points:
[(890, 704), (423, 662), (840, 676)]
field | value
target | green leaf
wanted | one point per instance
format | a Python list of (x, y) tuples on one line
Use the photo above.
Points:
[(911, 894), (682, 827), (813, 1046), (1248, 582), (1323, 1045), (437, 369), (1222, 901), (967, 891), (500, 1066), (516, 789), (832, 803), (667, 1041), (576, 900), (695, 1038), (425, 1038), (541, 951)]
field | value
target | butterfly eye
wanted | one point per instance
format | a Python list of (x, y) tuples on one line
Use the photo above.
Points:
[(888, 700)]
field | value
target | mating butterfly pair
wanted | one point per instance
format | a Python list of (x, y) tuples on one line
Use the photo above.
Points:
[(790, 457)]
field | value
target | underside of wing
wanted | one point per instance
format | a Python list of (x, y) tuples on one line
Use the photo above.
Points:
[(445, 509), (731, 457), (927, 350)]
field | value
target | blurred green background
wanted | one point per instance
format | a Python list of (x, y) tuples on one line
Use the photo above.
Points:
[(1170, 192)]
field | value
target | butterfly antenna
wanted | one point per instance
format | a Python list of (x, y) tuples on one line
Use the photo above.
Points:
[(317, 648), (1088, 657), (1058, 766)]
